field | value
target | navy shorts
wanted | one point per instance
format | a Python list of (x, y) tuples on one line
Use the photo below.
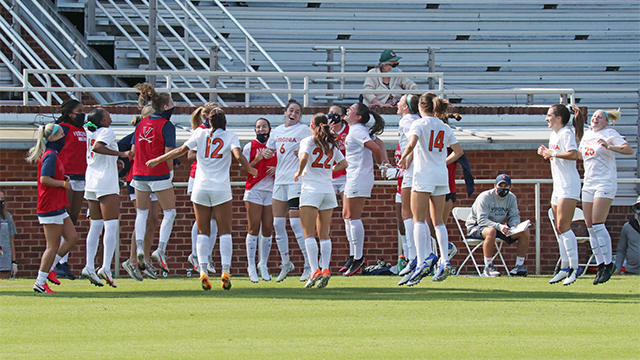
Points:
[(475, 232)]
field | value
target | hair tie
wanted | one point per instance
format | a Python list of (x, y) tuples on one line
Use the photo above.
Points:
[(605, 114), (56, 127)]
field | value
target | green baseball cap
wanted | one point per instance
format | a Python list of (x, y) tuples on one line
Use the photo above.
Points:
[(389, 55)]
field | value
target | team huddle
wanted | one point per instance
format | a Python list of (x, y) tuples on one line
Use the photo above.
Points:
[(294, 170)]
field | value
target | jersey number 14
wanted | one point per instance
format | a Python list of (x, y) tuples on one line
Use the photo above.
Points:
[(437, 141)]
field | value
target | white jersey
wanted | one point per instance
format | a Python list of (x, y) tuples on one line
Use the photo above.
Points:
[(360, 159), (266, 184), (600, 163), (430, 153), (317, 174), (284, 141), (102, 170), (214, 158), (403, 136), (564, 172)]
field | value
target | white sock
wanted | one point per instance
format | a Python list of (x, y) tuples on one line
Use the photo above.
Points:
[(42, 278), (312, 253), (519, 260), (325, 251), (93, 238), (282, 239), (213, 235), (109, 243), (265, 249), (357, 232), (165, 228), (296, 226), (571, 246), (348, 231), (56, 261), (194, 238), (202, 250), (226, 250), (604, 240), (488, 261), (411, 242), (595, 247), (564, 257), (141, 225), (64, 258), (443, 242), (403, 241), (422, 240), (252, 244)]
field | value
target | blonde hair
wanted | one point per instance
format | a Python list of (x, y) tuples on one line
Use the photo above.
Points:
[(44, 133), (146, 111), (148, 93), (612, 115), (200, 112)]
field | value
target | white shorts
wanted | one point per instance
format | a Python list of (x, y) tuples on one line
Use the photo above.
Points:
[(339, 184), (190, 185), (153, 197), (77, 185), (407, 181), (398, 198), (435, 190), (55, 219), (151, 185), (320, 201), (286, 192), (354, 193), (94, 195), (588, 194), (260, 197), (210, 198)]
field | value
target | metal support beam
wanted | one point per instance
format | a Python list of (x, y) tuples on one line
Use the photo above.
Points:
[(78, 94), (432, 67), (213, 80), (90, 18), (529, 99), (330, 69), (247, 81), (153, 30)]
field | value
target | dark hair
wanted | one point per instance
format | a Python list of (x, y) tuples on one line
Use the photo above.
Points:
[(292, 102), (200, 112), (66, 108), (256, 123), (3, 210), (431, 103), (94, 117), (218, 120), (579, 118), (148, 93), (365, 114), (413, 102), (322, 135)]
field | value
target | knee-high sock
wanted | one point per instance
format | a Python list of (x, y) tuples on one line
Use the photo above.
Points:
[(165, 228), (141, 227), (312, 253), (348, 231), (595, 246), (65, 258), (296, 226), (571, 245), (443, 242), (422, 240), (411, 243), (403, 241), (604, 240), (282, 239), (357, 233), (212, 238), (194, 238), (109, 242), (252, 244), (265, 249), (226, 250), (325, 251), (55, 262), (202, 250), (564, 256), (93, 238)]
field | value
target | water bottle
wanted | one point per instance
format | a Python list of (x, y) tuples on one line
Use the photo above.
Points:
[(402, 262)]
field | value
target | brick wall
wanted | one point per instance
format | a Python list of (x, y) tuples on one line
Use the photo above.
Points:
[(378, 217)]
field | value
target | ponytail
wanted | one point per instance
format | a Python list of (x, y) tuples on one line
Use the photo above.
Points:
[(146, 112), (218, 120), (94, 118), (365, 114), (44, 132), (323, 137), (201, 112), (579, 119), (612, 115), (148, 93)]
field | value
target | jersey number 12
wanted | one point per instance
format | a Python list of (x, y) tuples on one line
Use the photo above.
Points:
[(218, 143)]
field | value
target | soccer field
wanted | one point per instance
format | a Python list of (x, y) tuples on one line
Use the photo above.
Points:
[(357, 317)]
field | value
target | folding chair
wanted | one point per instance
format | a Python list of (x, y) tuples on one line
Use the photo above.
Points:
[(462, 214), (578, 215)]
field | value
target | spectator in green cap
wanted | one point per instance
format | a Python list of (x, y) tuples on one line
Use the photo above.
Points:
[(388, 63)]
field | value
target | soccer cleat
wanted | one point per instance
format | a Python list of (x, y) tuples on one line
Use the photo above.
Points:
[(573, 275), (160, 257), (490, 271), (253, 274), (519, 270), (317, 275), (286, 269), (306, 273), (322, 283), (346, 265), (53, 278), (409, 268), (443, 271), (140, 257), (106, 276), (423, 270), (210, 268), (609, 270), (226, 280), (405, 279), (355, 266), (561, 275), (596, 280), (44, 288), (580, 271), (452, 250), (263, 271), (62, 269), (92, 276), (150, 271), (193, 260), (132, 270), (204, 279)]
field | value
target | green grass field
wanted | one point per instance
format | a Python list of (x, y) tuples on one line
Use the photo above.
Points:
[(358, 317)]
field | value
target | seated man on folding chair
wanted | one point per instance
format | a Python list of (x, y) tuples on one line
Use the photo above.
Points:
[(489, 213)]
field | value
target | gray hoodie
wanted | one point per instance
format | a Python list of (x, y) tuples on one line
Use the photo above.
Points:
[(490, 210)]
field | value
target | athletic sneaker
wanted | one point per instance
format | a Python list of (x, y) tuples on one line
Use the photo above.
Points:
[(306, 273), (264, 272), (53, 278), (253, 274), (355, 266), (405, 279), (204, 279), (106, 276), (226, 280), (62, 269), (519, 270), (346, 265), (561, 275), (490, 271), (311, 282), (326, 275), (150, 271), (573, 275), (161, 259), (452, 250), (609, 270), (92, 276), (442, 272), (423, 270), (210, 268), (410, 268), (286, 269), (193, 260), (132, 270), (596, 280), (140, 257), (44, 288)]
